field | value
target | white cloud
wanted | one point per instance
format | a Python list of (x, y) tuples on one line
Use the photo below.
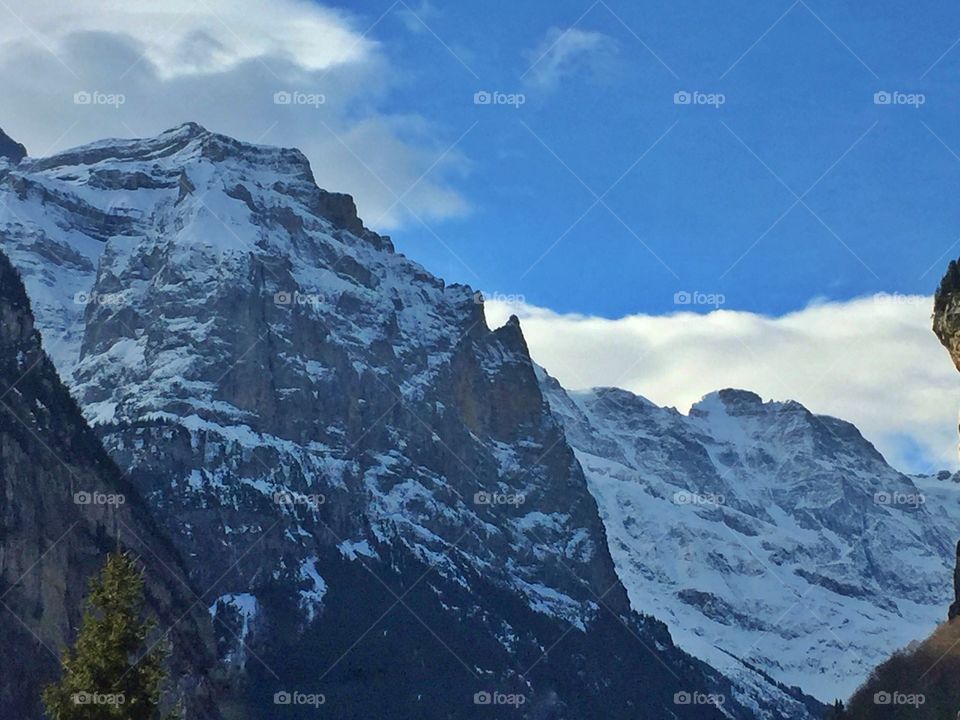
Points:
[(186, 36), (871, 361), (219, 63), (416, 19), (565, 53)]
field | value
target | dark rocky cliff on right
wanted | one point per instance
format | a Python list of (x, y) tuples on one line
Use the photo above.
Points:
[(946, 325), (923, 680), (946, 312)]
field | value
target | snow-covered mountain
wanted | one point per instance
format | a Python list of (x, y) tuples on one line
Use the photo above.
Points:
[(764, 534), (364, 479)]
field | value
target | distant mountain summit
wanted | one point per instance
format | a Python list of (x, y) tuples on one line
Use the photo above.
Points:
[(764, 535)]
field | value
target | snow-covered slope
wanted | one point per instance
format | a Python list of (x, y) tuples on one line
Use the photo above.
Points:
[(762, 532), (941, 494), (303, 406), (171, 311)]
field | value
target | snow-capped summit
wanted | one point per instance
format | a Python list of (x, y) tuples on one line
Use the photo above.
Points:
[(763, 534)]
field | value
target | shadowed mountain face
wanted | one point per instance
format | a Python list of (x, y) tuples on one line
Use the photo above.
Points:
[(11, 150), (63, 506), (369, 490)]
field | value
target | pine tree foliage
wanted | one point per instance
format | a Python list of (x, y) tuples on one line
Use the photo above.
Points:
[(836, 711), (113, 671)]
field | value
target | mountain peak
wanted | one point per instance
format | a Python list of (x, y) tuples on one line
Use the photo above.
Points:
[(188, 151), (188, 128), (731, 401), (10, 149), (739, 397)]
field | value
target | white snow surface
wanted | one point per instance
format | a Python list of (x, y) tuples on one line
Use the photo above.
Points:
[(759, 532)]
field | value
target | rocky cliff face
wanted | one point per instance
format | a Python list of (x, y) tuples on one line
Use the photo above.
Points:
[(946, 312), (921, 681), (763, 534), (10, 150), (946, 325), (369, 489), (63, 506), (954, 608)]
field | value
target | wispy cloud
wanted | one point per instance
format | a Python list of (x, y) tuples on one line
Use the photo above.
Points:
[(220, 63), (872, 361), (564, 54)]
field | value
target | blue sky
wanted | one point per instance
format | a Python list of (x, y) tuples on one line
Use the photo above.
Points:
[(700, 210), (589, 207)]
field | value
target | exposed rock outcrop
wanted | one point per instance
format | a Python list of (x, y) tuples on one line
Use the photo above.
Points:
[(946, 312), (63, 506), (10, 149), (946, 325), (921, 681), (955, 605)]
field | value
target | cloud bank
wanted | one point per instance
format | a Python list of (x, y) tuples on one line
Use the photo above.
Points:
[(221, 63), (872, 361)]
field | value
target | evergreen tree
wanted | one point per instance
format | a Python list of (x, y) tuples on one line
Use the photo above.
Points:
[(836, 712), (111, 673)]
